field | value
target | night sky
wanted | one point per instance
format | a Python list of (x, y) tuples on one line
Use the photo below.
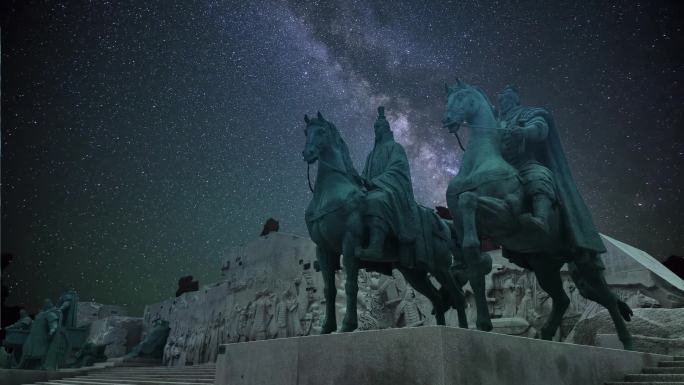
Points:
[(142, 140)]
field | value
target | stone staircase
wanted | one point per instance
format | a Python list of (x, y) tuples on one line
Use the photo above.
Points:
[(144, 375), (666, 373)]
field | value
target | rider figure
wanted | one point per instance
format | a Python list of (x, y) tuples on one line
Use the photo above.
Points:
[(391, 207), (533, 146), (522, 146)]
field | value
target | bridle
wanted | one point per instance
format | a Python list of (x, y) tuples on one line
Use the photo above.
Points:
[(330, 166)]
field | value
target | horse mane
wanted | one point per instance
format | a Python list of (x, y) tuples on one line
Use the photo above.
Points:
[(479, 90), (486, 98), (346, 158), (345, 150)]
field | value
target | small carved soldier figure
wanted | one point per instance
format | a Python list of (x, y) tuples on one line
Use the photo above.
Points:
[(409, 310)]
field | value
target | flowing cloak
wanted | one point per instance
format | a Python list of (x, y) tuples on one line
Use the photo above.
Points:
[(387, 167), (579, 227)]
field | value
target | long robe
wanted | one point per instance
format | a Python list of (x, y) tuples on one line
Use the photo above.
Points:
[(387, 167)]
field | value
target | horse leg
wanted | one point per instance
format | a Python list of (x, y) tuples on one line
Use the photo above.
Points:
[(419, 280), (467, 205), (351, 285), (549, 278), (326, 261), (452, 294), (591, 283)]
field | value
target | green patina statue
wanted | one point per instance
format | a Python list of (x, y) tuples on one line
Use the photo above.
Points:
[(152, 346), (390, 205), (47, 344), (68, 305), (514, 186), (346, 206)]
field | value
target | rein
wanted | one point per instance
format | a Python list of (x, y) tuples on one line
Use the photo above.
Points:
[(458, 138)]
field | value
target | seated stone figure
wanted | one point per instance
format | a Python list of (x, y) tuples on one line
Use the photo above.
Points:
[(153, 344)]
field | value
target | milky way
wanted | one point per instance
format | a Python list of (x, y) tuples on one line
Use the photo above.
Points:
[(142, 140)]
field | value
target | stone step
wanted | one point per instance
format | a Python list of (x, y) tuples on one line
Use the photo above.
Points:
[(54, 382), (143, 368), (164, 369), (654, 377), (645, 383), (160, 373), (678, 358), (193, 379), (671, 364), (179, 375), (80, 383), (660, 370), (71, 381)]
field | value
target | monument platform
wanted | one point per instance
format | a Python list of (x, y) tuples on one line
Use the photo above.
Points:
[(431, 355)]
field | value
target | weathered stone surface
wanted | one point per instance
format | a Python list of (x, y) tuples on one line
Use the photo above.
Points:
[(119, 333), (432, 355), (666, 346), (277, 275), (91, 311), (629, 266), (656, 324)]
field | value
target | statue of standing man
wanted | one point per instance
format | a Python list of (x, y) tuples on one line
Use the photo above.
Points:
[(391, 207)]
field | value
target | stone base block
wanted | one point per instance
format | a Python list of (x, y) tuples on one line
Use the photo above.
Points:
[(432, 355)]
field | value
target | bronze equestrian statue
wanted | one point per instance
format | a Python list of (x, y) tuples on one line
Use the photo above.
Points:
[(514, 186), (345, 207)]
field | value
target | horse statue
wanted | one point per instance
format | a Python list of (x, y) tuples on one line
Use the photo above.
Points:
[(486, 198), (334, 221)]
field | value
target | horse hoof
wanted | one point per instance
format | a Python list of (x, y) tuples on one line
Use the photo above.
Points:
[(327, 329), (348, 328), (547, 335), (485, 326)]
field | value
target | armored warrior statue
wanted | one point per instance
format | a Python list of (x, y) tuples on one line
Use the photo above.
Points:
[(533, 147), (391, 207)]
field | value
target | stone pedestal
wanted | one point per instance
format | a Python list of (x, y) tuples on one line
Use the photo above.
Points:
[(430, 355)]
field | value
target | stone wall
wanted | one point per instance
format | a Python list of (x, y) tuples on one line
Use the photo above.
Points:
[(272, 289)]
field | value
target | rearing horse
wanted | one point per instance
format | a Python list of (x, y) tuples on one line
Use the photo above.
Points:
[(334, 221), (487, 196)]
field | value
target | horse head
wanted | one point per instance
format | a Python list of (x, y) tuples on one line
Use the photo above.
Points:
[(463, 104), (317, 133)]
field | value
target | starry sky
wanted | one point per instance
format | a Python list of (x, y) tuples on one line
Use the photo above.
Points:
[(142, 140)]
